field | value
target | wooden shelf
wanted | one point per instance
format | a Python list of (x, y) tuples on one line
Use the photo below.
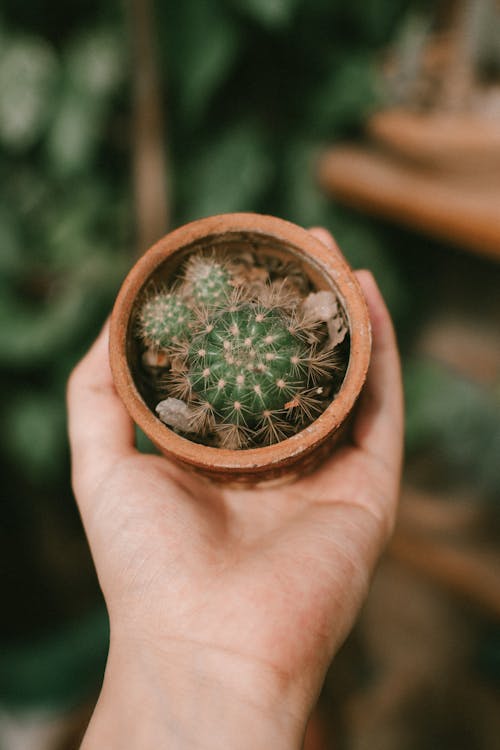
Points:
[(472, 573), (463, 144), (448, 207)]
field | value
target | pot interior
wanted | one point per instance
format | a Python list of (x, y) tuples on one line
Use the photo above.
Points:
[(269, 252)]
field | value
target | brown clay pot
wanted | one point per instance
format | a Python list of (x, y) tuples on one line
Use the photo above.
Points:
[(326, 268)]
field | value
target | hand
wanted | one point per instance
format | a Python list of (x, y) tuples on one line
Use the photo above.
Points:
[(227, 605)]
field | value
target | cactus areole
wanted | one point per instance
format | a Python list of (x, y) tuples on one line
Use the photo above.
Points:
[(239, 344)]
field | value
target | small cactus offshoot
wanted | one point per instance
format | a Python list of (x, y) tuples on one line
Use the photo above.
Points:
[(208, 279), (164, 320), (244, 364)]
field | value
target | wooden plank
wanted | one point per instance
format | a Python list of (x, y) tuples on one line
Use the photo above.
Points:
[(464, 144), (472, 573), (465, 214)]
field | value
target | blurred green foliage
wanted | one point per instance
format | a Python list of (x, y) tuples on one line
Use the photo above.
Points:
[(252, 91), (459, 417), (59, 671)]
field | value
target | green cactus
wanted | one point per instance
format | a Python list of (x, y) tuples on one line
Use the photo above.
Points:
[(208, 279), (164, 319), (245, 367)]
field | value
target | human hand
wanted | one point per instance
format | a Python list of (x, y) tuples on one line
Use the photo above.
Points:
[(226, 605)]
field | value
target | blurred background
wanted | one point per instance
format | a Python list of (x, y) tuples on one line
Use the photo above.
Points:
[(378, 119)]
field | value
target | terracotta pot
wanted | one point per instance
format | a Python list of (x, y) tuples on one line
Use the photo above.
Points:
[(461, 212), (326, 269)]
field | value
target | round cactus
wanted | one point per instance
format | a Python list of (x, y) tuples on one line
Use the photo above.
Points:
[(164, 319), (208, 279), (246, 363), (251, 371)]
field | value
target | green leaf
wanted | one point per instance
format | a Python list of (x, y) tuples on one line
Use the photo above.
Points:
[(35, 334), (143, 443), (28, 73), (270, 13), (28, 191), (68, 225), (204, 42), (374, 20), (95, 62), (58, 671), (456, 417), (230, 175), (346, 96), (34, 422), (359, 241), (74, 133), (94, 68), (11, 256), (302, 199)]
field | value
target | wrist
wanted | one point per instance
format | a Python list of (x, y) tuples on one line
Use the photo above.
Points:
[(191, 697)]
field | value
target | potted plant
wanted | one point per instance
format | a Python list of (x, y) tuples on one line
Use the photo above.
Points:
[(239, 344)]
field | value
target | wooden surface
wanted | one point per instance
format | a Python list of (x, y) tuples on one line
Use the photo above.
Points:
[(464, 144), (464, 213), (473, 573)]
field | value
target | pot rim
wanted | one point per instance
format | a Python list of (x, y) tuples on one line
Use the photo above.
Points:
[(330, 262)]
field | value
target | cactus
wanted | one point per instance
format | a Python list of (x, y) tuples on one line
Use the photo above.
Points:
[(208, 279), (251, 367), (164, 319)]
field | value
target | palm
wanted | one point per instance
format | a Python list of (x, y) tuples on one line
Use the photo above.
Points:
[(239, 570)]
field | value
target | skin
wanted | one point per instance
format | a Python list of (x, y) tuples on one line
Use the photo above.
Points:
[(227, 606)]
